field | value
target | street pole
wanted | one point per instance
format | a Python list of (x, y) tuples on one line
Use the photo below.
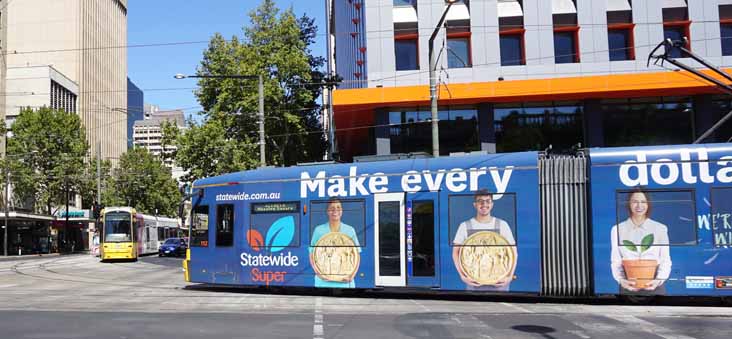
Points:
[(262, 154), (66, 223), (329, 48), (433, 82), (99, 172), (7, 196), (262, 159)]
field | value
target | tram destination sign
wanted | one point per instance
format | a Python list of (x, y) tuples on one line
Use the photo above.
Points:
[(276, 207)]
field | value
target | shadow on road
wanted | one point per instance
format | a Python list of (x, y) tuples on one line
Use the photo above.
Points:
[(388, 293)]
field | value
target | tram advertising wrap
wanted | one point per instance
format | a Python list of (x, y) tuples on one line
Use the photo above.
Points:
[(668, 228), (321, 230), (656, 221)]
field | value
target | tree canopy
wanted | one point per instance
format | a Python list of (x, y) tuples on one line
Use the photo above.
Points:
[(142, 181), (276, 46), (45, 157)]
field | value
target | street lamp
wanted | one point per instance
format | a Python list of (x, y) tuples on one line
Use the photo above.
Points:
[(262, 161), (433, 81)]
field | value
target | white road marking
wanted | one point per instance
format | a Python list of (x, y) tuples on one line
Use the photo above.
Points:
[(579, 334), (649, 326), (522, 309), (318, 332)]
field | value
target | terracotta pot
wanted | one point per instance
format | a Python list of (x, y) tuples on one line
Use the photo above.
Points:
[(642, 271)]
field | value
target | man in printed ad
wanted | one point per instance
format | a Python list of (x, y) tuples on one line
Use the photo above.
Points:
[(335, 250), (640, 258), (484, 251)]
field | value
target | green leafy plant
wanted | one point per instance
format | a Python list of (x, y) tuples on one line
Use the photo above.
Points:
[(645, 244)]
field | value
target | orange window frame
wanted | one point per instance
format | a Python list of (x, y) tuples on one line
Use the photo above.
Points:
[(464, 35), (574, 29), (630, 27), (686, 24), (518, 32), (410, 36)]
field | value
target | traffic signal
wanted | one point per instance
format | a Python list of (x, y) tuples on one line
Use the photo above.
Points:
[(97, 210)]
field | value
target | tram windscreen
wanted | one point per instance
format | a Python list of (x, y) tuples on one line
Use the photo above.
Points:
[(117, 227)]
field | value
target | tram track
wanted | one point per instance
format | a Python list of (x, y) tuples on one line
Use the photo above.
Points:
[(26, 269)]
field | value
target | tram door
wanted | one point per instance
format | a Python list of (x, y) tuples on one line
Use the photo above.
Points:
[(389, 240), (422, 239)]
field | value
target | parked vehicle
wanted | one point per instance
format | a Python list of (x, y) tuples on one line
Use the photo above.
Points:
[(173, 247)]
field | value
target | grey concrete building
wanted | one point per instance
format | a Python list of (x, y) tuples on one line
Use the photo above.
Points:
[(78, 40)]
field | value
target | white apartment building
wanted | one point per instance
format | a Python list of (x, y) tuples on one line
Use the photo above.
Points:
[(148, 133)]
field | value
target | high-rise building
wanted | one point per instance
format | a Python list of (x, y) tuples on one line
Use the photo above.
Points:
[(135, 109), (69, 54), (518, 75)]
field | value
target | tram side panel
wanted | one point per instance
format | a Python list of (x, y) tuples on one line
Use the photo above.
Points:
[(277, 224), (515, 217), (660, 220)]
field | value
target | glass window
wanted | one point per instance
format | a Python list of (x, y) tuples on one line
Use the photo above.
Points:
[(674, 33), (348, 215), (462, 210), (117, 227), (726, 38), (423, 235), (620, 44), (722, 105), (389, 241), (661, 121), (224, 225), (721, 217), (655, 218), (565, 48), (406, 54), (725, 28), (535, 126), (274, 226), (458, 52), (405, 3), (512, 49), (199, 226), (411, 131)]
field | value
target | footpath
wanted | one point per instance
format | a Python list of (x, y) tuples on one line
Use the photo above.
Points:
[(38, 256)]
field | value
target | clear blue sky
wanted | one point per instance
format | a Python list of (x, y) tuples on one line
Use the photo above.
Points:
[(187, 26)]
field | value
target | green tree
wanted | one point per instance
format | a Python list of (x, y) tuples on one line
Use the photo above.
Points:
[(277, 46), (204, 150), (46, 157), (143, 182)]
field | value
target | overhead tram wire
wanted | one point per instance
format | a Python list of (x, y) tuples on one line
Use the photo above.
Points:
[(197, 42), (410, 73)]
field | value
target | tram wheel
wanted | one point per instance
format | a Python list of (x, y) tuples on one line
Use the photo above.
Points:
[(727, 301), (638, 299)]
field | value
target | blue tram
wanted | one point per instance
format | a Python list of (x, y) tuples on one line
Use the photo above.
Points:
[(635, 221)]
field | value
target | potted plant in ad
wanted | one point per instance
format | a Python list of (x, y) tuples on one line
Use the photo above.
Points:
[(642, 271)]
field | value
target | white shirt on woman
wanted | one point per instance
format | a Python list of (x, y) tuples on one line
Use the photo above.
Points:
[(635, 234)]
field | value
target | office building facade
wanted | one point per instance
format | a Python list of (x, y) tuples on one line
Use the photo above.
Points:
[(77, 40), (517, 75)]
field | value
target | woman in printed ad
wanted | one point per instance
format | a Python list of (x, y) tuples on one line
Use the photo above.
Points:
[(484, 251), (640, 259), (334, 250)]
